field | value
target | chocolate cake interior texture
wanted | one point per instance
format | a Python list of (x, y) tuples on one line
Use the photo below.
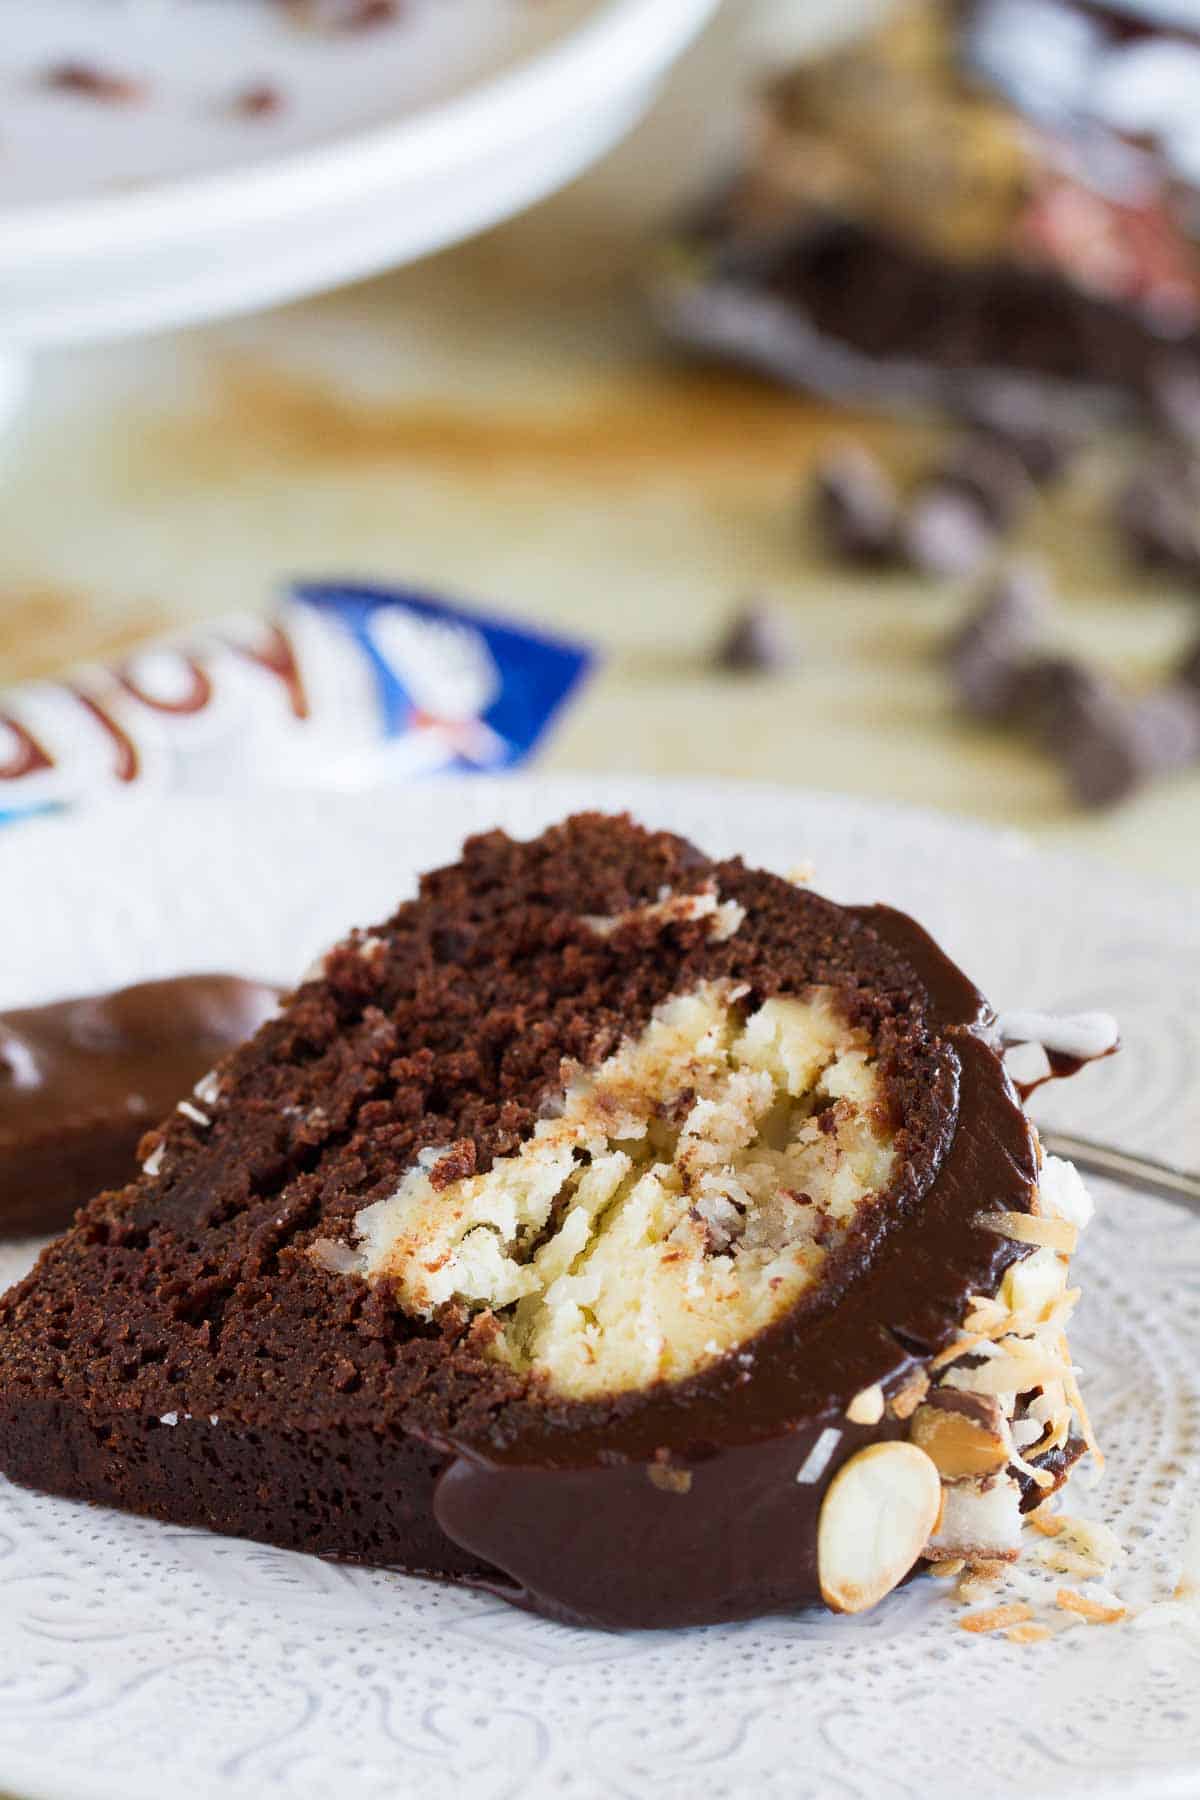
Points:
[(573, 1233)]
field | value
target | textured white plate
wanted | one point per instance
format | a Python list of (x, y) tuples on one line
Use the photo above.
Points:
[(388, 143), (137, 1660)]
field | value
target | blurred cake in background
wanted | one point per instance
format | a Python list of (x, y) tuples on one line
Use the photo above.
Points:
[(981, 190)]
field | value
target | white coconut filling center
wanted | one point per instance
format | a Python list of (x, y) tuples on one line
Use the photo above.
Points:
[(688, 1191)]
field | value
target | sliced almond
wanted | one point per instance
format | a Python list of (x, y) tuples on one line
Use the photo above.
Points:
[(866, 1408), (965, 1434), (881, 1508)]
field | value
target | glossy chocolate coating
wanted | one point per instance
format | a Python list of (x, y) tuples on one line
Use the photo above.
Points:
[(82, 1080), (571, 1514)]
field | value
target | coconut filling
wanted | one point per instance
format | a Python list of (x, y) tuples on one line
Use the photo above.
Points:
[(685, 1193)]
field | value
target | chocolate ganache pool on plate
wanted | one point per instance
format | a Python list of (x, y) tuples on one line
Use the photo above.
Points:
[(643, 1237)]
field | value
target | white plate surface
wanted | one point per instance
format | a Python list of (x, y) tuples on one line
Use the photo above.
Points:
[(387, 143), (139, 1660)]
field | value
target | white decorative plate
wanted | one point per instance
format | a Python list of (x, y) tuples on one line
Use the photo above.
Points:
[(385, 144), (137, 1660)]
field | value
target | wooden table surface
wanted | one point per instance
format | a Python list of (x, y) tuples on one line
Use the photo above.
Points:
[(503, 423)]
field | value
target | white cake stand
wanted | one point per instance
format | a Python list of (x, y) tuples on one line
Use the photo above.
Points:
[(383, 145)]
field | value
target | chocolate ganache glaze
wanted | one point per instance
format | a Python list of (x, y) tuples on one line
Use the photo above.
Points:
[(82, 1080), (699, 1501)]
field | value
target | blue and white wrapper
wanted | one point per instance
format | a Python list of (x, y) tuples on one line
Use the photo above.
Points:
[(340, 686)]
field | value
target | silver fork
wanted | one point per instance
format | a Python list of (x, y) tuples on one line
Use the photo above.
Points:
[(1181, 1186)]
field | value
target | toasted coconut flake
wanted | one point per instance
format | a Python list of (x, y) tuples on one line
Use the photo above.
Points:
[(1029, 1633), (1075, 1398), (942, 1571), (974, 1587), (1047, 1522), (1050, 1233), (1084, 1548), (986, 1316), (1040, 1477), (987, 1568), (1094, 1611), (965, 1345), (998, 1618), (1011, 1374)]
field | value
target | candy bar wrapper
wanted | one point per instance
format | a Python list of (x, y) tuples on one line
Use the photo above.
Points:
[(339, 686)]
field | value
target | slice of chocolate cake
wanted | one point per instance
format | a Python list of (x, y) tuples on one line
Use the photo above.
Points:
[(645, 1237)]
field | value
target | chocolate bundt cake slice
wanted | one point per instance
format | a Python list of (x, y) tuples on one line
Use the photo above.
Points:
[(642, 1236)]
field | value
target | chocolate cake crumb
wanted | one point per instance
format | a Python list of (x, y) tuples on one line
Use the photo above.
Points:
[(95, 83), (258, 101)]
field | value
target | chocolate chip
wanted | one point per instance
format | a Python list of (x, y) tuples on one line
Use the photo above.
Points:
[(757, 640), (1158, 513), (1118, 743), (94, 83), (854, 504), (947, 533), (987, 655), (1174, 398), (989, 473), (1030, 426), (1056, 692)]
